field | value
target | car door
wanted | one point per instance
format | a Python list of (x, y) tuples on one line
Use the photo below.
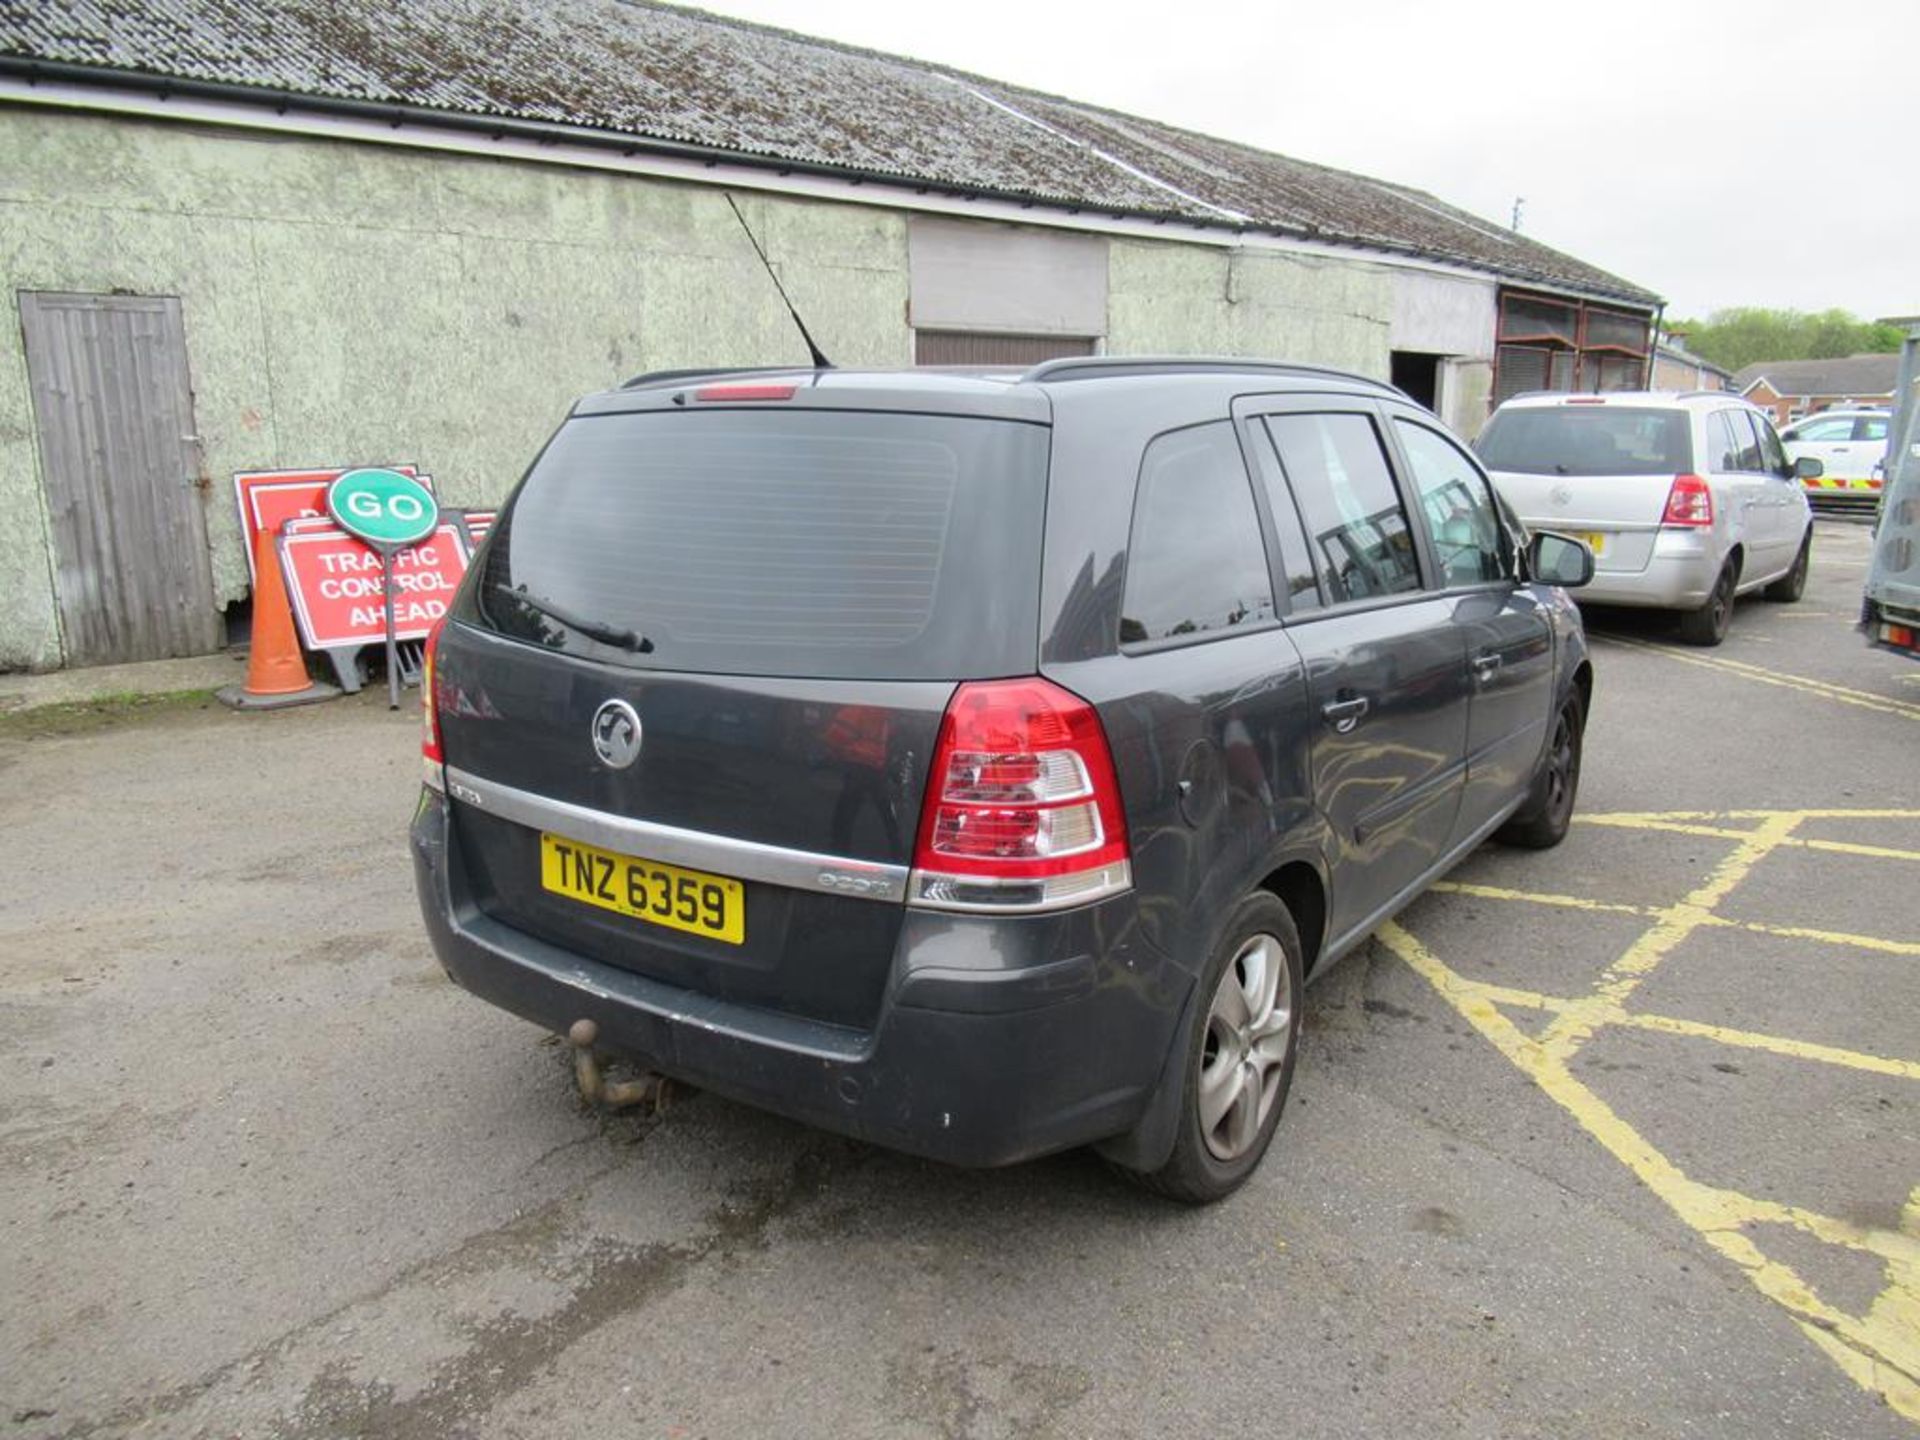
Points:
[(1385, 662), (1788, 502), (1771, 533), (1507, 628), (1734, 449)]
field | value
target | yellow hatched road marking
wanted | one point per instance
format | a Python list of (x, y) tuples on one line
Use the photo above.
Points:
[(1879, 1350), (1713, 922), (1865, 699)]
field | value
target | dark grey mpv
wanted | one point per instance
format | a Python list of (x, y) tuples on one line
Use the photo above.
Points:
[(980, 764)]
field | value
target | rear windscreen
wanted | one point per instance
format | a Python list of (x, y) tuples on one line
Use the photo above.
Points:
[(1588, 440), (825, 543)]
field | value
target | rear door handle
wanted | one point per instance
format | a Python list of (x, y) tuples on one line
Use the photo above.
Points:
[(1487, 666), (1343, 715)]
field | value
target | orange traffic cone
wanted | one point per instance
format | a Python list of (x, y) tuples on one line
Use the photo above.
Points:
[(276, 670)]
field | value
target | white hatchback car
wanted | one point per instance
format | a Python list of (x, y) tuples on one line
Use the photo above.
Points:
[(1852, 445), (1686, 500)]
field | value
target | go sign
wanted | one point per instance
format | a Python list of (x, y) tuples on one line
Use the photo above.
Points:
[(388, 510)]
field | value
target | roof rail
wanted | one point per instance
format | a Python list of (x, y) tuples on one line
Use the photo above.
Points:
[(1095, 367), (671, 377)]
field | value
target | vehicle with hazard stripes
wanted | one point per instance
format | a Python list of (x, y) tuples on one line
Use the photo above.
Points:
[(1850, 445), (1890, 607)]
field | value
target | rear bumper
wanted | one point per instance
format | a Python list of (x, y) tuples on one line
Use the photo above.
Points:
[(975, 1057), (1679, 575)]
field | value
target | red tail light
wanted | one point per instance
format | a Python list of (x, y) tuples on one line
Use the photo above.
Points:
[(1689, 502), (1023, 810), (432, 757)]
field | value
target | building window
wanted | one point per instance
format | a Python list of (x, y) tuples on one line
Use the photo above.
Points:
[(1550, 343)]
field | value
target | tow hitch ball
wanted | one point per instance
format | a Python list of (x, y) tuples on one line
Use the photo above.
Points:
[(596, 1089)]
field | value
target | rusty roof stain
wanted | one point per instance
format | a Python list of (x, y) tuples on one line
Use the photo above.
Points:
[(661, 73)]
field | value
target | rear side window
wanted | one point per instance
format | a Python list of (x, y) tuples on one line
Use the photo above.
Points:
[(1356, 525), (1721, 446), (1587, 440), (1196, 562), (822, 543)]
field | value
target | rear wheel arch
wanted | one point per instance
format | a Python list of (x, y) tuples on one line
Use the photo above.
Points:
[(1737, 557), (1300, 888)]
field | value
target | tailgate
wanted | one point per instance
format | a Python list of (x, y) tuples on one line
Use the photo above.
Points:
[(690, 694)]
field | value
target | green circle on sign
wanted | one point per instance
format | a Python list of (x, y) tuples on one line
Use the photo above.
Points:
[(386, 509)]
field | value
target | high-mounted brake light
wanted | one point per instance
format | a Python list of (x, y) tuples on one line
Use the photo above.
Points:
[(1586, 400), (1689, 502), (432, 757), (1023, 809), (745, 392)]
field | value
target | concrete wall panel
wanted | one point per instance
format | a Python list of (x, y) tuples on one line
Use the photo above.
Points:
[(349, 304)]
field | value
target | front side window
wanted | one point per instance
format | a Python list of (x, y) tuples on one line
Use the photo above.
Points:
[(1196, 562), (1357, 527), (1458, 506), (1772, 457), (1747, 437), (1871, 427)]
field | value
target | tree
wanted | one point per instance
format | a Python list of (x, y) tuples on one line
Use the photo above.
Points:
[(1748, 333)]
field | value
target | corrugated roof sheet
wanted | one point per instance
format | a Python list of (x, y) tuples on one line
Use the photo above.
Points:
[(656, 72), (1848, 375)]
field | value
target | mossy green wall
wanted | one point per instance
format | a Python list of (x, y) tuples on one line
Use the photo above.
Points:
[(351, 304)]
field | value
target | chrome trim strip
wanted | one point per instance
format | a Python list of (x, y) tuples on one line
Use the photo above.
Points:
[(740, 859), (1112, 880)]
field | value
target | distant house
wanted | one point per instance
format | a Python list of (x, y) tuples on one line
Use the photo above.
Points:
[(1792, 388), (270, 234), (1677, 368)]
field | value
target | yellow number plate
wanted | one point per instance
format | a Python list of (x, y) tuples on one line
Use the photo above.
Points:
[(689, 900), (1596, 542)]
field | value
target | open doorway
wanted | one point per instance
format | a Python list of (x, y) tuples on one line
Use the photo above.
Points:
[(1418, 374)]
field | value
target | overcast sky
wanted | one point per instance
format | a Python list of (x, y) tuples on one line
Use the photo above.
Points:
[(1720, 154)]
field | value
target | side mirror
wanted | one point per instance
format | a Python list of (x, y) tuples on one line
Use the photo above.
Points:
[(1558, 560), (1808, 468)]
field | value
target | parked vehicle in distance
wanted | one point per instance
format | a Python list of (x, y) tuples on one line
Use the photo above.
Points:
[(980, 764), (1687, 500), (1851, 446)]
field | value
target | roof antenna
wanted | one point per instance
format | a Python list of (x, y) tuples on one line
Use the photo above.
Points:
[(820, 362)]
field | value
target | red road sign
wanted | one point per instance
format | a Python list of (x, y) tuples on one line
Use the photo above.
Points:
[(334, 583), (269, 498)]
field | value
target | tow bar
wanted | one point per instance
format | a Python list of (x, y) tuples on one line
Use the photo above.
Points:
[(651, 1087)]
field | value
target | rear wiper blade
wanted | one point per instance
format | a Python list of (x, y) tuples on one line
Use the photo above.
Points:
[(593, 629)]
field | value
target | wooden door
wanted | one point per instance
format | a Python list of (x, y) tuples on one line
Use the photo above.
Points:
[(121, 464)]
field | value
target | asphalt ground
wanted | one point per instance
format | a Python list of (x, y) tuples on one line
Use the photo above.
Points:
[(1617, 1140)]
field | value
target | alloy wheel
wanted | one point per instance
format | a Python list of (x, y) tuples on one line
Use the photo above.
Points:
[(1244, 1055)]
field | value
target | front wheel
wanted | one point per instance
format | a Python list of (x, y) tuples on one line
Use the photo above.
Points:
[(1792, 585), (1708, 625), (1543, 821), (1240, 1064)]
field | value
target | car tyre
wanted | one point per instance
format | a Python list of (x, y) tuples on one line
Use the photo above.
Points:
[(1708, 625), (1542, 822), (1245, 1038), (1792, 585)]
